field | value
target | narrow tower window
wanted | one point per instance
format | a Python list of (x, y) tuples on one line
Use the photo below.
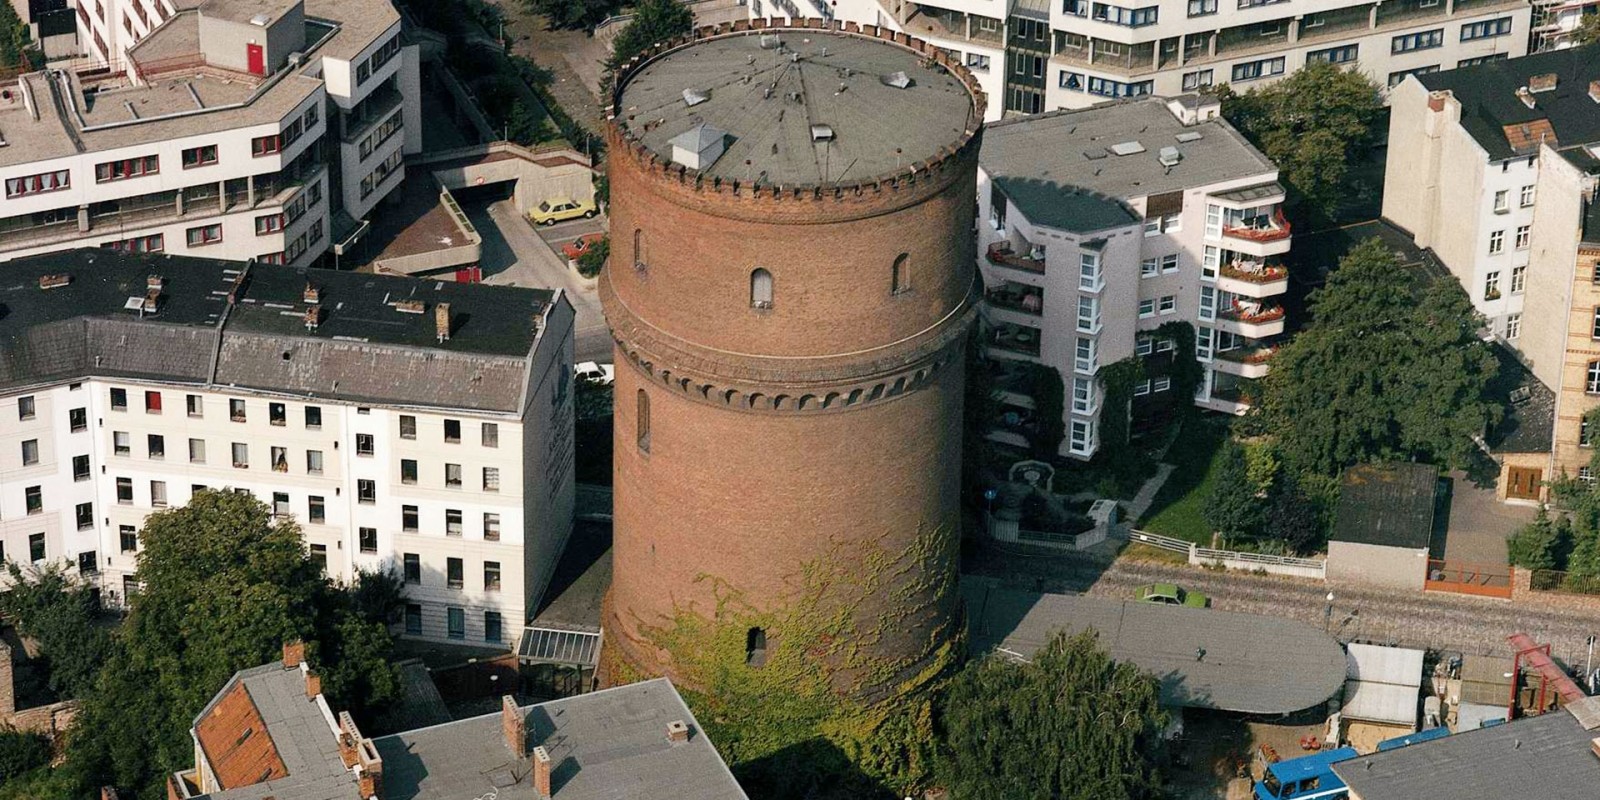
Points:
[(643, 413), (900, 279), (760, 288), (755, 647), (638, 248)]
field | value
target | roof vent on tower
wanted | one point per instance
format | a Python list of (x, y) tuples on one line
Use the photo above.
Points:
[(899, 80), (770, 41), (1169, 156), (694, 97), (1189, 136), (699, 147), (821, 133), (1126, 149), (1542, 83)]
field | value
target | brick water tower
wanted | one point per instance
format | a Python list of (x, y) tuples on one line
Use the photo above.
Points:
[(790, 286)]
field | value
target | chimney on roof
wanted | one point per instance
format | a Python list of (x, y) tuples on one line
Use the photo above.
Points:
[(313, 317), (514, 726), (441, 321), (1437, 99), (54, 282), (410, 306), (155, 282), (1542, 83), (108, 793), (541, 773), (313, 685), (1594, 91), (293, 653), (677, 731), (1526, 96), (312, 295)]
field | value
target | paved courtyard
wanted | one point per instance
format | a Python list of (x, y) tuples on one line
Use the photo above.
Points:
[(1478, 523)]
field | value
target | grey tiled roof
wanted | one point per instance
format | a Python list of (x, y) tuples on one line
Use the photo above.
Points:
[(607, 745), (1387, 504), (364, 350)]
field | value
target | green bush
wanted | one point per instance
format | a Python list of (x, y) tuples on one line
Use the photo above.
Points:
[(21, 752), (594, 259)]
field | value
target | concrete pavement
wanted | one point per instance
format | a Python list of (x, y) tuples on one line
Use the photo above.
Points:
[(513, 255)]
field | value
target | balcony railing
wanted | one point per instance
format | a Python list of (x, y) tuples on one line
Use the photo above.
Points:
[(1273, 229), (1249, 315), (1248, 355), (1015, 299), (1001, 254), (1016, 339), (1254, 272)]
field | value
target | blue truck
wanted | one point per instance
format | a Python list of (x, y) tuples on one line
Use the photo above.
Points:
[(1306, 778)]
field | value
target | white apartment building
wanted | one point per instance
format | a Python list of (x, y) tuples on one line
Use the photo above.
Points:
[(1495, 168), (1555, 20), (1038, 55), (416, 426), (1101, 225), (225, 129)]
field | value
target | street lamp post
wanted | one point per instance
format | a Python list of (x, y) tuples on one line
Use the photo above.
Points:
[(1327, 615)]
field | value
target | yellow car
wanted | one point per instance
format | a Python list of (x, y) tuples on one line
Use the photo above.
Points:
[(560, 209)]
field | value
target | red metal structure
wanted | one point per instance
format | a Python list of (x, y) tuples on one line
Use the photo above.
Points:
[(1537, 658)]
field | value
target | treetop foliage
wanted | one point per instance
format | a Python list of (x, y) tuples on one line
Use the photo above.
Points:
[(1383, 371), (1310, 124), (1071, 724), (653, 21)]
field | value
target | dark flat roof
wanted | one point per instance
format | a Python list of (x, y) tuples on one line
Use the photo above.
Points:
[(1252, 664), (877, 128), (1541, 758), (1488, 96), (1387, 504)]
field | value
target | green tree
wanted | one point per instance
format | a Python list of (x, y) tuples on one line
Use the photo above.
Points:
[(1049, 411), (653, 21), (59, 611), (1235, 506), (1535, 545), (1380, 373), (15, 42), (527, 123), (225, 585), (1311, 124), (1297, 513), (20, 752), (1071, 724), (594, 259)]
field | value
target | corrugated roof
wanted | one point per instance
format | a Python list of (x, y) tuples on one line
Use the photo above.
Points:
[(1204, 658)]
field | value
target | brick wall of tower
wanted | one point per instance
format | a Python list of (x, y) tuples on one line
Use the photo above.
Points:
[(825, 426)]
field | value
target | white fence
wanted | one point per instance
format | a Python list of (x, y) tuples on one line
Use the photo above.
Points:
[(1204, 556)]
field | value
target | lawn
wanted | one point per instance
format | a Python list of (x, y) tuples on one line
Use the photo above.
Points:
[(1178, 510)]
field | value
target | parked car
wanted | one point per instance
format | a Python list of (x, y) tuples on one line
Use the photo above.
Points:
[(581, 245), (1171, 594), (560, 209), (597, 372)]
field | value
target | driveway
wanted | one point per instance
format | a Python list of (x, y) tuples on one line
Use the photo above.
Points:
[(1477, 523), (513, 255)]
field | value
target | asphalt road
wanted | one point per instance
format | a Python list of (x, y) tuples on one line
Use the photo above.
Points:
[(513, 255)]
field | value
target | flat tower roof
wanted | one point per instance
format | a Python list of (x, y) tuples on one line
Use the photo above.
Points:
[(824, 107)]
